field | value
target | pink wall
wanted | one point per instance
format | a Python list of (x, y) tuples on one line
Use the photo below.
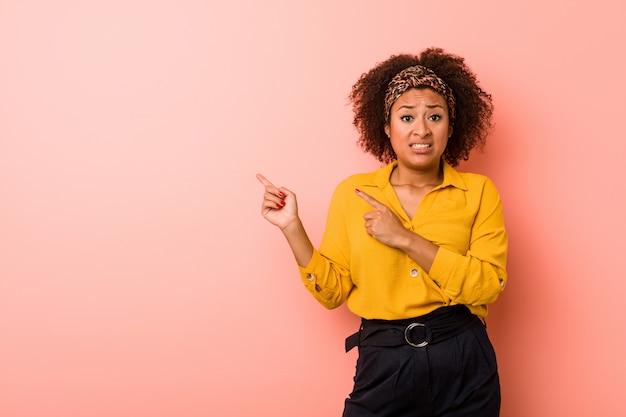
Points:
[(137, 277)]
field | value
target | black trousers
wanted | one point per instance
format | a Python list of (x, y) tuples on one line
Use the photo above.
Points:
[(457, 377)]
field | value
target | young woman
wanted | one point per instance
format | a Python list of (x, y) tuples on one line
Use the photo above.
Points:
[(416, 249)]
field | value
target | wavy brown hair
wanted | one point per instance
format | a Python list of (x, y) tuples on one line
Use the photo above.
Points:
[(474, 107)]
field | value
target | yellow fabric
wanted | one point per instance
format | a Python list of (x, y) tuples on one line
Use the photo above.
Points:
[(463, 216)]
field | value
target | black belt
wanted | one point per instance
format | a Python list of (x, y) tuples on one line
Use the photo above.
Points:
[(434, 327)]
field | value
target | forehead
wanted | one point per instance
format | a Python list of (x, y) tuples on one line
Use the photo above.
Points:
[(422, 95)]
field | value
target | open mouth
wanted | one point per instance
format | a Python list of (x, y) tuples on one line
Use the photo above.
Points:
[(420, 146)]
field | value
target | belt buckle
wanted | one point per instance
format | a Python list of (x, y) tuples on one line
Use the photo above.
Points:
[(410, 327)]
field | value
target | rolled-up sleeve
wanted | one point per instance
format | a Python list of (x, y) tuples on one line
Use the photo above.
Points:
[(327, 276), (328, 283), (478, 276)]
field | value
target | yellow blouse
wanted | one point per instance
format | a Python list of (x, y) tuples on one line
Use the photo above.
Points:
[(463, 216)]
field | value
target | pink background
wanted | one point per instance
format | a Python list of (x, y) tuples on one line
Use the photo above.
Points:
[(137, 277)]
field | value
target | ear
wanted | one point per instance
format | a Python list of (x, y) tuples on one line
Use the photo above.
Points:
[(387, 129), (450, 130)]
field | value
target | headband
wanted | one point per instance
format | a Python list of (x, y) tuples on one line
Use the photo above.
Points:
[(415, 77)]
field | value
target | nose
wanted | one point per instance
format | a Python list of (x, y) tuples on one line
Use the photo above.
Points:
[(420, 128)]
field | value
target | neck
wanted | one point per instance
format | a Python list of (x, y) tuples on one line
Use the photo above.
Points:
[(431, 176)]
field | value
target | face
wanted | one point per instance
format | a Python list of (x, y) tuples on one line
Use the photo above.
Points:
[(419, 128)]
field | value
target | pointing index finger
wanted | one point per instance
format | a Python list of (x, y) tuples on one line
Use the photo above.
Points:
[(264, 180), (369, 199)]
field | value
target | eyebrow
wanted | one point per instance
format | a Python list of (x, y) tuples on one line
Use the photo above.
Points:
[(428, 106)]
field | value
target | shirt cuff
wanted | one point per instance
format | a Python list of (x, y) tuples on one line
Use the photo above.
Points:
[(313, 270), (443, 269), (314, 277)]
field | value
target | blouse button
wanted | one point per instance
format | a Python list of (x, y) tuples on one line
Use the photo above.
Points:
[(414, 272), (310, 276)]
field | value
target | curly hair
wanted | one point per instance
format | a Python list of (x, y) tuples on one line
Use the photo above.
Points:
[(474, 107)]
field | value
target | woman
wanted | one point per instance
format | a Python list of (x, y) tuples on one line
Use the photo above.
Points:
[(416, 248)]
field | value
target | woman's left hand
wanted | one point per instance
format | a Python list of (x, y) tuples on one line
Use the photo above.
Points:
[(382, 223)]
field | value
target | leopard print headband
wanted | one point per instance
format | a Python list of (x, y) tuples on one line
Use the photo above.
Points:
[(415, 77)]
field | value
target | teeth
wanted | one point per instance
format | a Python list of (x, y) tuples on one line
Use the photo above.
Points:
[(420, 145)]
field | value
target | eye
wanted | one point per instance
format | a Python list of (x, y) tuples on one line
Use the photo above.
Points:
[(406, 118), (434, 117)]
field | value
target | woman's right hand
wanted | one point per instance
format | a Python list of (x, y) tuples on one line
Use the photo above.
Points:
[(279, 205)]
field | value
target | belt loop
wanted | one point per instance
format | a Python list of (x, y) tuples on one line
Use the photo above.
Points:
[(353, 340)]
